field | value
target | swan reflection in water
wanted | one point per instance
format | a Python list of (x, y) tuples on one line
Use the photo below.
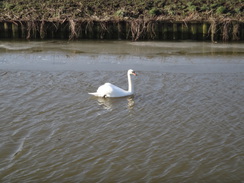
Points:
[(110, 104)]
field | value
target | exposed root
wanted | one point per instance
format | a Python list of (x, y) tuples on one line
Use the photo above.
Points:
[(89, 26), (151, 26), (235, 32), (213, 29), (31, 29), (42, 30), (137, 28), (226, 30), (104, 29), (73, 33)]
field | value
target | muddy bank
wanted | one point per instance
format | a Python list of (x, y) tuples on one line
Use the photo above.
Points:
[(139, 29)]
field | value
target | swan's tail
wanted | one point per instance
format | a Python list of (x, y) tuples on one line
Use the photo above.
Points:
[(94, 94)]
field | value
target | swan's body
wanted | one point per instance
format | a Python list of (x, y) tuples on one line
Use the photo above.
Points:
[(110, 90)]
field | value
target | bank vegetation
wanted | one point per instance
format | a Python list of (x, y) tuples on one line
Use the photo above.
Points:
[(129, 19)]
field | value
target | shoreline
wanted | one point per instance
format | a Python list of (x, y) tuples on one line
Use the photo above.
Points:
[(187, 57)]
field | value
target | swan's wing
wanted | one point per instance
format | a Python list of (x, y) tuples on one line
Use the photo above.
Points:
[(103, 90), (109, 90)]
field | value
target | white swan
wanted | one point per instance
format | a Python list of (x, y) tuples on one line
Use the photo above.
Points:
[(110, 90)]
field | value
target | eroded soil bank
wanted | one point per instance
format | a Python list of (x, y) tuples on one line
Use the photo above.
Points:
[(135, 20)]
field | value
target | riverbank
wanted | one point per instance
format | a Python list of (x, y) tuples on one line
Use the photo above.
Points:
[(134, 20)]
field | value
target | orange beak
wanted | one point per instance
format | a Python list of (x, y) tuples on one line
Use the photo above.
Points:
[(134, 73)]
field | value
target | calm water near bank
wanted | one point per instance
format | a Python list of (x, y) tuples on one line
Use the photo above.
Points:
[(184, 124)]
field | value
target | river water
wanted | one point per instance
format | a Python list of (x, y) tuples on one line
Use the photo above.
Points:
[(184, 123)]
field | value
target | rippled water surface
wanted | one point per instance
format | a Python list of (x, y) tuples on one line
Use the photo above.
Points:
[(184, 123)]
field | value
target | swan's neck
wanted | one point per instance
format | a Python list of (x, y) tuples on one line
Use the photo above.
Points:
[(130, 84)]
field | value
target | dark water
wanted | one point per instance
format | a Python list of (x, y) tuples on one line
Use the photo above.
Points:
[(184, 124)]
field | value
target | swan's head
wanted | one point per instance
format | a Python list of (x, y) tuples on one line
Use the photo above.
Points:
[(130, 71)]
